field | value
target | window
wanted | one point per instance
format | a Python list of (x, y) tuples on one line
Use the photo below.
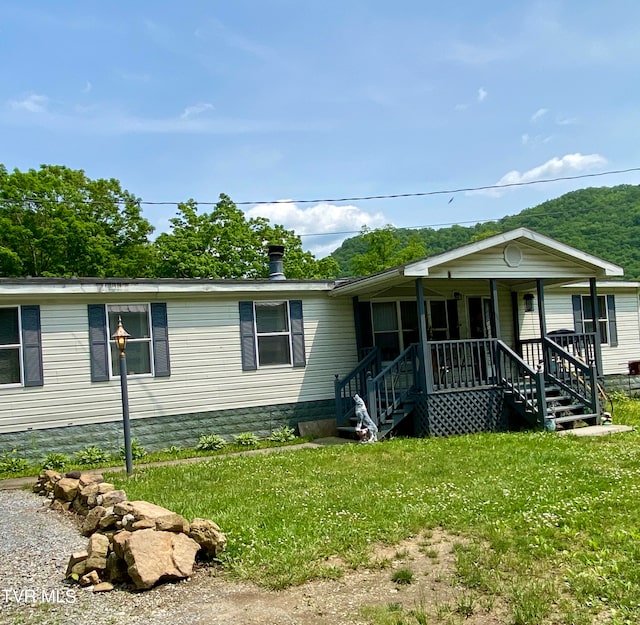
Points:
[(147, 349), (271, 334), (587, 317), (584, 322), (135, 320), (20, 346), (10, 346), (395, 327)]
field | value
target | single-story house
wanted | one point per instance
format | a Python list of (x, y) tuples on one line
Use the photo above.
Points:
[(459, 342)]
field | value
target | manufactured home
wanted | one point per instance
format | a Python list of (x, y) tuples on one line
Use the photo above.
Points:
[(514, 329)]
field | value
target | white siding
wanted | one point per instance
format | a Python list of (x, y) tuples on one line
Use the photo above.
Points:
[(206, 367)]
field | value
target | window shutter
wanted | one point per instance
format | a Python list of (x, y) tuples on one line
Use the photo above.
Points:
[(160, 333), (247, 337), (613, 326), (578, 325), (98, 342), (32, 346), (297, 333)]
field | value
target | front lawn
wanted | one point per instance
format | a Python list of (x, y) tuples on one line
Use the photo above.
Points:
[(551, 524)]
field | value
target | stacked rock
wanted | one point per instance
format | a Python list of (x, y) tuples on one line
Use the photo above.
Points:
[(130, 542)]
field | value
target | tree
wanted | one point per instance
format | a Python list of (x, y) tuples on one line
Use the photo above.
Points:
[(223, 244), (55, 221), (385, 249)]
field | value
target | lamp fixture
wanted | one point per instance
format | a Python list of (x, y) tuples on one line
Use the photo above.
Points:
[(528, 302)]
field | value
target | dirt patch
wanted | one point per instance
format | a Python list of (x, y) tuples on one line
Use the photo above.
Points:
[(433, 592)]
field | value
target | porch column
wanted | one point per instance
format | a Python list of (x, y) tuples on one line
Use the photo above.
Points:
[(426, 379), (515, 320), (495, 313), (356, 322), (541, 316), (593, 291)]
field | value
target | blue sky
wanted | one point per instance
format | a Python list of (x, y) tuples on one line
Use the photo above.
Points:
[(280, 99)]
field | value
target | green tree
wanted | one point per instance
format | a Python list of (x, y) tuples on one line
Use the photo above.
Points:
[(385, 248), (223, 244), (55, 221)]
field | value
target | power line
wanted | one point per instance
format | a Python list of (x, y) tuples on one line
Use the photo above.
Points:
[(346, 199)]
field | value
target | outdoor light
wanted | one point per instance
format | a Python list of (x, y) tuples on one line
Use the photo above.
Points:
[(528, 302), (120, 337)]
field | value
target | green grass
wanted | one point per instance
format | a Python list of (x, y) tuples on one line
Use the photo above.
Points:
[(551, 524)]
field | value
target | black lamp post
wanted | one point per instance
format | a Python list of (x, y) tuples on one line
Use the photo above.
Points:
[(120, 336)]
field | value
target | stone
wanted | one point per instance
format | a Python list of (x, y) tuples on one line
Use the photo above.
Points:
[(172, 523), (146, 510), (208, 535), (90, 579), (59, 506), (108, 519), (121, 508), (79, 507), (118, 542), (97, 548), (105, 487), (90, 478), (143, 524), (74, 475), (128, 521), (116, 570), (152, 556), (92, 520), (87, 491), (66, 488), (103, 587), (76, 566), (113, 497)]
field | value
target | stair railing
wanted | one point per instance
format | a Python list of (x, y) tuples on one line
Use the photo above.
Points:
[(523, 385), (355, 382), (571, 374), (391, 387)]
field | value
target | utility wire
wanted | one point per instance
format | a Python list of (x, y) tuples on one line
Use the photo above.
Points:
[(346, 199)]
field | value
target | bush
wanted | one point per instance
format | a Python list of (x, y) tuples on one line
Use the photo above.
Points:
[(210, 442), (12, 463), (137, 450), (283, 434), (173, 450), (246, 439), (92, 455), (402, 576), (55, 461)]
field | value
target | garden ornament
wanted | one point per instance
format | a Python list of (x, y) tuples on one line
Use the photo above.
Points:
[(366, 429)]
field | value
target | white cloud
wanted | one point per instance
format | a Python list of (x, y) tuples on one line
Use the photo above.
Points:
[(33, 103), (482, 94), (557, 167), (461, 107), (88, 87), (525, 139), (566, 121), (196, 109), (539, 114), (324, 226)]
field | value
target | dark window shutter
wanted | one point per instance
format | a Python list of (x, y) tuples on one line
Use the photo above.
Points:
[(578, 325), (162, 365), (297, 333), (247, 337), (613, 326), (98, 342), (32, 346)]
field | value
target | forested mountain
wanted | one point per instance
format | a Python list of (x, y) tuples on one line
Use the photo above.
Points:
[(603, 221)]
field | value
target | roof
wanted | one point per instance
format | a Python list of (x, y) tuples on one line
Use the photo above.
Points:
[(426, 267)]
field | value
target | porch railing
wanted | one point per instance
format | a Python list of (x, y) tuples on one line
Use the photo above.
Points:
[(582, 345), (355, 382), (462, 364), (572, 375)]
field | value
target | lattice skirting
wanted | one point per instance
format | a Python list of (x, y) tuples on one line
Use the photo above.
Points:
[(460, 412)]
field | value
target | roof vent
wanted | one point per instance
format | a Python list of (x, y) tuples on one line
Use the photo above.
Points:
[(276, 267)]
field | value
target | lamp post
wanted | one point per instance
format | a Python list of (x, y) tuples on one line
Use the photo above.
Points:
[(120, 336)]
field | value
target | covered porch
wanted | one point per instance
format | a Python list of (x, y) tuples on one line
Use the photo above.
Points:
[(440, 339)]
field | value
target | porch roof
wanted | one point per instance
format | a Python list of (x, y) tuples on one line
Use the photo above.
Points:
[(517, 257)]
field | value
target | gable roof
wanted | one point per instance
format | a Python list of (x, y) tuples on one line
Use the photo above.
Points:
[(428, 267)]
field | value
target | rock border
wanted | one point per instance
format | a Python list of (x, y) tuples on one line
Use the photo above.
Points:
[(134, 543)]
